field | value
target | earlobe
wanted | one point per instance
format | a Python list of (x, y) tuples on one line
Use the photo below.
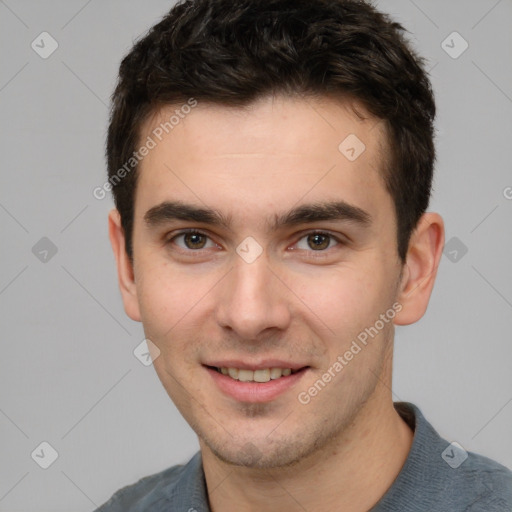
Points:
[(420, 270), (125, 271)]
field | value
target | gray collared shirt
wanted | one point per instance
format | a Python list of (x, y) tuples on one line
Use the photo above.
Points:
[(437, 477)]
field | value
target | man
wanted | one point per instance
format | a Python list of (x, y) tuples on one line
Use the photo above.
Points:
[(271, 163)]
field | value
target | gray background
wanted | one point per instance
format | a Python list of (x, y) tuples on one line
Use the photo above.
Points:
[(68, 373)]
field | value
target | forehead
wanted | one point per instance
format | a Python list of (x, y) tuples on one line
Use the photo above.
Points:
[(268, 154), (209, 126)]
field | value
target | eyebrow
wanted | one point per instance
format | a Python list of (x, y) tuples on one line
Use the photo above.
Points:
[(169, 211)]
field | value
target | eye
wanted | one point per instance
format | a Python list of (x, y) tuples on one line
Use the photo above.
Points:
[(318, 241), (193, 240)]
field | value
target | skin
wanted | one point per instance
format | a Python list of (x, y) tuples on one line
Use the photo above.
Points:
[(343, 449)]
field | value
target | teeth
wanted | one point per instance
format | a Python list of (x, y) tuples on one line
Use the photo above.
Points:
[(263, 375), (275, 373), (245, 375)]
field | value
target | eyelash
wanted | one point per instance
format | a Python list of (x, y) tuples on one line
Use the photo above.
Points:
[(317, 254)]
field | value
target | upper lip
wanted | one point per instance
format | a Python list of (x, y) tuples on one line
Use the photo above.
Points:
[(260, 365)]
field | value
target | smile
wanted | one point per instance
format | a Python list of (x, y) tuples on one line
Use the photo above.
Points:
[(262, 375), (260, 385)]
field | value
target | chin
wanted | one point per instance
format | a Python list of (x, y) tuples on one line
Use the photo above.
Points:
[(263, 454)]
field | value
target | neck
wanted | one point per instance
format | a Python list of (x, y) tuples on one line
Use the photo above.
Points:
[(351, 473)]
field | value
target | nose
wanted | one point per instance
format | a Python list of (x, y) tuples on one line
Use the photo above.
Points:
[(253, 299)]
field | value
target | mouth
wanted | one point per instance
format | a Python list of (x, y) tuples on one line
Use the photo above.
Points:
[(255, 385), (260, 375)]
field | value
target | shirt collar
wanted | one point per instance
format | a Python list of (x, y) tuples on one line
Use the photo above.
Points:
[(189, 493)]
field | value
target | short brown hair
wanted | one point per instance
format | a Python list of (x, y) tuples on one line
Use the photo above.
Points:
[(232, 52)]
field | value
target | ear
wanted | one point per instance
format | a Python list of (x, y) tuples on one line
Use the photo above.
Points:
[(125, 272), (420, 269)]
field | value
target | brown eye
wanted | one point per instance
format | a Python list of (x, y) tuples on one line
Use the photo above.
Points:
[(194, 240), (191, 241), (318, 241)]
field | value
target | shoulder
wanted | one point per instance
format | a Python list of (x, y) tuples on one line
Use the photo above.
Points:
[(441, 475), (152, 492), (486, 483)]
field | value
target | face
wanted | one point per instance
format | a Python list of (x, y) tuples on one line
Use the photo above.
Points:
[(280, 253)]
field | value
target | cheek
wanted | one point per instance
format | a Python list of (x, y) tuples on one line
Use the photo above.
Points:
[(158, 306), (167, 295), (164, 305), (175, 305), (343, 300)]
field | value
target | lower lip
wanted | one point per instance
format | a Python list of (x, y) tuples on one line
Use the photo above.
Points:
[(255, 391)]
